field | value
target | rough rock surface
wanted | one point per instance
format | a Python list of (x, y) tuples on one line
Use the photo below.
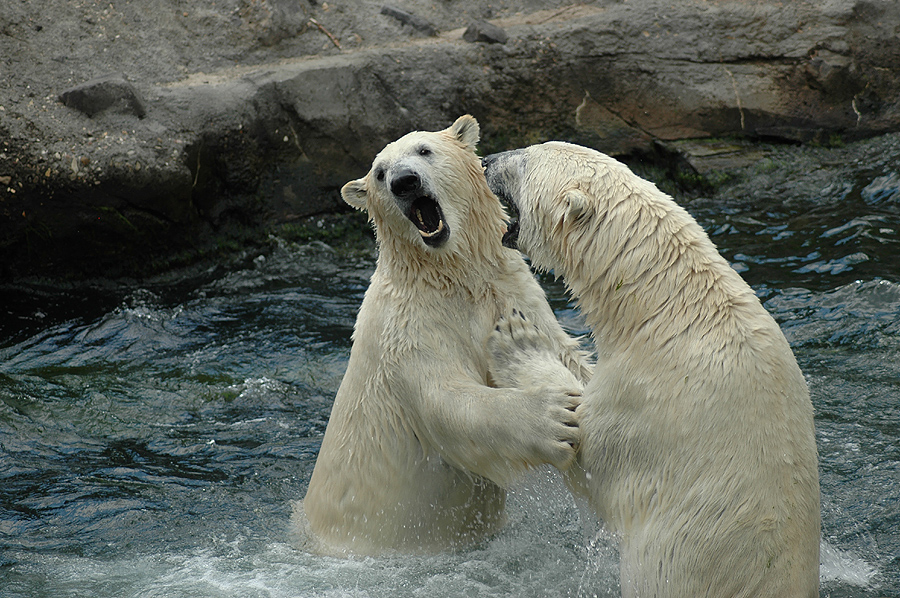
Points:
[(249, 112)]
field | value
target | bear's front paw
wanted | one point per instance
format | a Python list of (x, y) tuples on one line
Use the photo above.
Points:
[(520, 355), (563, 434)]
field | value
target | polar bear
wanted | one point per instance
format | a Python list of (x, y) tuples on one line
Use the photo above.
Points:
[(698, 449), (419, 446)]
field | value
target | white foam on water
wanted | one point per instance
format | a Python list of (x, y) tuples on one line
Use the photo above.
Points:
[(547, 550), (511, 565), (542, 552), (843, 567)]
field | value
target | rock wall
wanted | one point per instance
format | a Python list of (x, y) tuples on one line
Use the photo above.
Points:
[(134, 135)]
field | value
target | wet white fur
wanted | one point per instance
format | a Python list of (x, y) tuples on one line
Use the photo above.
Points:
[(698, 446), (419, 445)]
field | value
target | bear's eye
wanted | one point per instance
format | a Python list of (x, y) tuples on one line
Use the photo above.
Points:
[(379, 174), (424, 151)]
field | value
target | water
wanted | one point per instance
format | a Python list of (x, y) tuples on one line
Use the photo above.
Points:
[(152, 439)]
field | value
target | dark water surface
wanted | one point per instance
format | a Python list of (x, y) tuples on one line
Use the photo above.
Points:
[(151, 440)]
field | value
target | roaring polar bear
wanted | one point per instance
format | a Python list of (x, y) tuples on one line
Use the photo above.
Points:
[(419, 445), (698, 448)]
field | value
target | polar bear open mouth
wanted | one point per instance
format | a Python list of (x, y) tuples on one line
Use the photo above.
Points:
[(511, 236), (425, 213)]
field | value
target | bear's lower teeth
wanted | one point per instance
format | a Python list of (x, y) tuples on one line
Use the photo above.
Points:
[(439, 228)]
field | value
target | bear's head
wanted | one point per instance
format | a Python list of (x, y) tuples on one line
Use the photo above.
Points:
[(550, 190), (427, 196)]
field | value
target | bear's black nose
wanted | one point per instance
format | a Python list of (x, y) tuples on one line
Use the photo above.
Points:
[(406, 183)]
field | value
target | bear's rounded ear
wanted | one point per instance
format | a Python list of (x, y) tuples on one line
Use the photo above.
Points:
[(466, 130), (577, 203), (354, 193)]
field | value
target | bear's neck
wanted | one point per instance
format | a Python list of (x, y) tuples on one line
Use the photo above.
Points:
[(649, 273)]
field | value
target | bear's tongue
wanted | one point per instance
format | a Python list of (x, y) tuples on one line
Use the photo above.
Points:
[(426, 215)]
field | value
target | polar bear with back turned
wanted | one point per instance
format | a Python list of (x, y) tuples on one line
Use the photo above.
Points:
[(698, 446)]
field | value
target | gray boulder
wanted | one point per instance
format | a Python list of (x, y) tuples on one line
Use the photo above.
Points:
[(112, 92), (483, 31)]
